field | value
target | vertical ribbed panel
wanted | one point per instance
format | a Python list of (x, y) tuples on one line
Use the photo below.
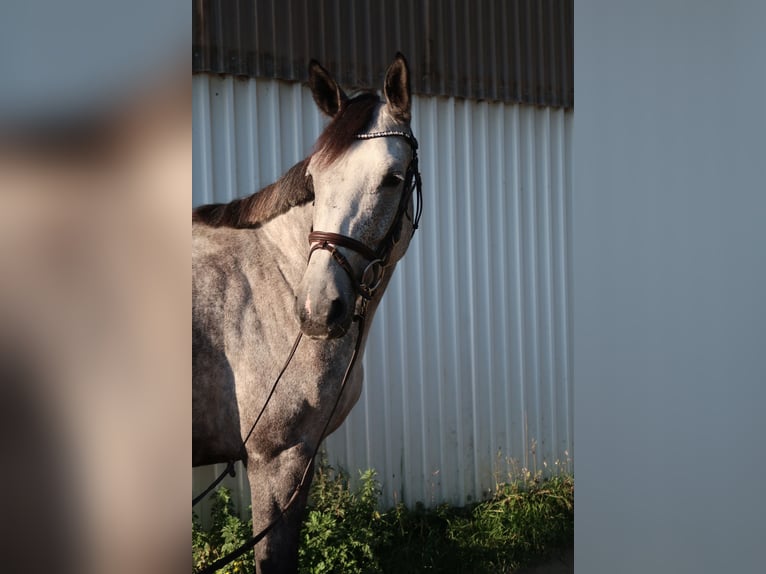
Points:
[(501, 50), (468, 363), (247, 133)]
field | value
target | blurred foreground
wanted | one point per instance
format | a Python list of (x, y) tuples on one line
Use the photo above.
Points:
[(95, 182)]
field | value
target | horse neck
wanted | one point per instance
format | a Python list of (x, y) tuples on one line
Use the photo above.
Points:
[(287, 235)]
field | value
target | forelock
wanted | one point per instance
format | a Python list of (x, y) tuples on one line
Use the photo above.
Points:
[(354, 117)]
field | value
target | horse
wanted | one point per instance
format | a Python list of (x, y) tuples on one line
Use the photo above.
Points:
[(285, 284)]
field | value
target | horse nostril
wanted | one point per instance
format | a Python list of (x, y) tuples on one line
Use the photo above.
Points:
[(337, 312)]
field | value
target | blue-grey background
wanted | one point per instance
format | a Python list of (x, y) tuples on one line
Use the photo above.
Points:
[(670, 286)]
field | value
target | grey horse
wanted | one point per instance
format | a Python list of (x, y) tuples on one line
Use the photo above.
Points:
[(300, 265)]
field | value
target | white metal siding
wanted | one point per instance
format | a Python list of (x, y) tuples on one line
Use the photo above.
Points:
[(468, 364)]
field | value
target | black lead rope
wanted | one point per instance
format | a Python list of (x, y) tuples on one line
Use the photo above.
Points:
[(229, 470)]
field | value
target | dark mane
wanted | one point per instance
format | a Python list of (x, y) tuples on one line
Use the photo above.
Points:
[(290, 190), (293, 188), (354, 117)]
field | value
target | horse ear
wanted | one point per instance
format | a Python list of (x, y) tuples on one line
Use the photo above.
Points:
[(327, 93), (397, 88)]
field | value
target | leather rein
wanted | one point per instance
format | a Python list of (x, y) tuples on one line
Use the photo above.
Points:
[(379, 261)]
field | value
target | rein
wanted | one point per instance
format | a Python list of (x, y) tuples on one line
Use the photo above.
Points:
[(372, 275), (234, 554)]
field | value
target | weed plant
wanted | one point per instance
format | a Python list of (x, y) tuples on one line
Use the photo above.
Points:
[(227, 533), (525, 520)]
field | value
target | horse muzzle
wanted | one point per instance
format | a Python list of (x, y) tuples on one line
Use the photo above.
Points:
[(324, 307), (327, 320)]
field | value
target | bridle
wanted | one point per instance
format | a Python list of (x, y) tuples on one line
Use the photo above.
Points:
[(378, 260)]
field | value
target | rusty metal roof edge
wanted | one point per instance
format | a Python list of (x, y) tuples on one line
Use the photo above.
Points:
[(516, 51)]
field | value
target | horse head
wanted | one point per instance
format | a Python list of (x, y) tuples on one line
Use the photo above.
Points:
[(363, 171)]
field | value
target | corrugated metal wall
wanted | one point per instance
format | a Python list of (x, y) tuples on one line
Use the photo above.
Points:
[(499, 50), (469, 361)]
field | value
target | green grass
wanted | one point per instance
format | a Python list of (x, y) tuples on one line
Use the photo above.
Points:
[(526, 519)]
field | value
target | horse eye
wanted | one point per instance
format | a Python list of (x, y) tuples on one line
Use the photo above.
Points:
[(392, 180)]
